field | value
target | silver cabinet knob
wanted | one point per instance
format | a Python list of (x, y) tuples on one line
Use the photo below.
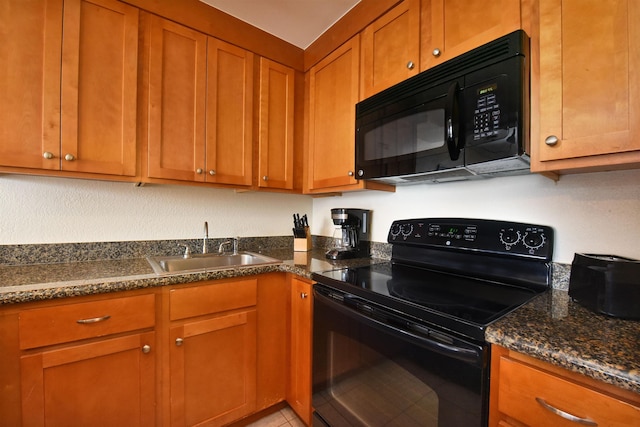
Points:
[(350, 173), (212, 172), (411, 65), (69, 157), (551, 140), (265, 178), (303, 295), (146, 349), (47, 155), (199, 171), (179, 341), (436, 52)]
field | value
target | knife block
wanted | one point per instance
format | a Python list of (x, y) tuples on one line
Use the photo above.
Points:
[(303, 244)]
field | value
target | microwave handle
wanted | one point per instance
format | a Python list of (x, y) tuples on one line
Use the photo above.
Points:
[(452, 122)]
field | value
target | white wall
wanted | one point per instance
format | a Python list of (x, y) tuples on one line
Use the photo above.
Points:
[(58, 210), (592, 213)]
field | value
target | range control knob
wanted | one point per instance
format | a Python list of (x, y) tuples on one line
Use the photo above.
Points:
[(509, 237), (406, 230), (534, 240), (395, 230)]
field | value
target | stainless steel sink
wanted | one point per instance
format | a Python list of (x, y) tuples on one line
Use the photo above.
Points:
[(207, 262)]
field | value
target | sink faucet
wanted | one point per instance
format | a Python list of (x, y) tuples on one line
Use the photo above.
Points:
[(226, 242), (206, 237)]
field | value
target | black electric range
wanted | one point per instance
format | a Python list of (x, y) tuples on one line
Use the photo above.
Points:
[(456, 275)]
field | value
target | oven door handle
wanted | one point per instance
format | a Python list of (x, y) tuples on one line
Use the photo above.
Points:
[(473, 356)]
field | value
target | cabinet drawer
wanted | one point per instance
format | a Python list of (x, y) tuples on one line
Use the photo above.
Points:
[(524, 391), (64, 323), (212, 298)]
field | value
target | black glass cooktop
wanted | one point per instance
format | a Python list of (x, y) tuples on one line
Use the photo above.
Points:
[(427, 294)]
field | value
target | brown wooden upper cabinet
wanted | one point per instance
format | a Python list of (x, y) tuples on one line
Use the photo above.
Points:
[(276, 125), (333, 94), (69, 97), (588, 86), (390, 48), (200, 101), (453, 27)]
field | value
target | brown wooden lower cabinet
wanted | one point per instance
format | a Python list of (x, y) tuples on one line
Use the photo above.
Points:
[(529, 392), (299, 390), (207, 353), (108, 382)]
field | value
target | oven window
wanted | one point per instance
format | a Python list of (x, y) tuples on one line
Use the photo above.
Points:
[(406, 135), (368, 375)]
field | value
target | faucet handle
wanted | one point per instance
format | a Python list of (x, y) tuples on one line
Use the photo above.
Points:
[(187, 251)]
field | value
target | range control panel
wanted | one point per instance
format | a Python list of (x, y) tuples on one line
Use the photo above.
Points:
[(476, 235)]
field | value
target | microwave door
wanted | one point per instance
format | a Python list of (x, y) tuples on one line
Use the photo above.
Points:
[(412, 140)]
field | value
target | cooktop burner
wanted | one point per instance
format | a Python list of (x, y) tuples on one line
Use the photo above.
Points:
[(473, 300)]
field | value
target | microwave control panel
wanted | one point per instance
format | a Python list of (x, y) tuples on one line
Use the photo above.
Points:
[(486, 107), (497, 237)]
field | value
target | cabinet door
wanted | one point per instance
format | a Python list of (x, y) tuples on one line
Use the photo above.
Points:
[(177, 88), (588, 83), (99, 82), (30, 43), (390, 51), (109, 382), (275, 140), (229, 136), (213, 369), (453, 27), (333, 94), (299, 393)]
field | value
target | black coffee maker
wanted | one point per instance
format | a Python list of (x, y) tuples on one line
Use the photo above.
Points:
[(351, 238)]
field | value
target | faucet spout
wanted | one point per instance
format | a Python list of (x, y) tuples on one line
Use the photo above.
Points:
[(206, 237)]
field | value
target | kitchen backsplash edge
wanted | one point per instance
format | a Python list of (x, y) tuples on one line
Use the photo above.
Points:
[(51, 253)]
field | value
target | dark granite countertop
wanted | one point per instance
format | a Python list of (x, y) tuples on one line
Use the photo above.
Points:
[(555, 329), (35, 282), (551, 327)]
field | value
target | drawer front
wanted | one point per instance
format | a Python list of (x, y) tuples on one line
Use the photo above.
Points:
[(64, 323), (539, 398), (212, 298)]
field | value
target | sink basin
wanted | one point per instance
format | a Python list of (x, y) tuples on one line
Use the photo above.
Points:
[(206, 262)]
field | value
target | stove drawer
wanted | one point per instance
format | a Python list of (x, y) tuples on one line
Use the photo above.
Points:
[(535, 397)]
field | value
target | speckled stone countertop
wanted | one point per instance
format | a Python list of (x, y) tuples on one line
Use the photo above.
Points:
[(35, 282), (555, 329), (551, 327)]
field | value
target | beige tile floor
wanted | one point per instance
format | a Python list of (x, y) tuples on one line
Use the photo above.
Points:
[(284, 417)]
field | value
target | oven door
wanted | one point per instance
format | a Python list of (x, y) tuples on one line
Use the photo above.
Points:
[(372, 367)]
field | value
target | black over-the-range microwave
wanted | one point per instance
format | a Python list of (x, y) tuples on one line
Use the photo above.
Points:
[(465, 118)]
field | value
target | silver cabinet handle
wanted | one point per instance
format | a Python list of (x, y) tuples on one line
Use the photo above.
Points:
[(303, 295), (265, 178), (350, 173), (436, 52), (69, 157), (565, 415), (551, 140), (212, 172), (199, 171), (93, 320), (146, 349), (47, 155), (411, 65), (179, 341)]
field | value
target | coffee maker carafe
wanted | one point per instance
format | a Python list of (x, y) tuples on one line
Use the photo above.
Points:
[(351, 238)]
